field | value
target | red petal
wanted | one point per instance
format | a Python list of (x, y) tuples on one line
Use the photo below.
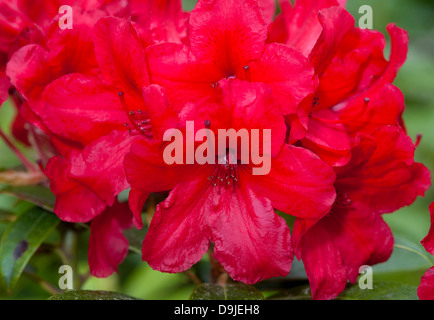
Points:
[(161, 20), (12, 22), (286, 72), (98, 168), (227, 33), (161, 113), (4, 88), (387, 178), (251, 241), (327, 138), (108, 247), (243, 105), (335, 248), (268, 9), (75, 202), (386, 102), (121, 55), (186, 78), (80, 108), (137, 200), (428, 241), (372, 109), (299, 183), (336, 22), (147, 171), (27, 70), (303, 27), (67, 51), (179, 235), (426, 287)]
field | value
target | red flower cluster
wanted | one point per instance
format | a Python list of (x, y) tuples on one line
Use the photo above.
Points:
[(107, 91)]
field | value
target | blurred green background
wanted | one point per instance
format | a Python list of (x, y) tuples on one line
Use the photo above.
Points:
[(411, 224)]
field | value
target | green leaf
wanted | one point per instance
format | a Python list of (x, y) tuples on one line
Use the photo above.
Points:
[(408, 263), (381, 291), (20, 241), (297, 293), (416, 248), (6, 216), (90, 295), (38, 195), (238, 291)]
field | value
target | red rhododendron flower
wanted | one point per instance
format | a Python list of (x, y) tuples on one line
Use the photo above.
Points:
[(227, 39), (98, 102), (24, 22), (355, 92), (426, 287), (380, 178), (85, 177), (224, 203)]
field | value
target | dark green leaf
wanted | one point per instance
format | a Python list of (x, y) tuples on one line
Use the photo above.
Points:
[(298, 293), (381, 291), (20, 241), (407, 264), (90, 295), (416, 248), (38, 195), (6, 216), (236, 291)]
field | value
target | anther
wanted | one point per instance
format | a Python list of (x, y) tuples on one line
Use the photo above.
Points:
[(247, 73)]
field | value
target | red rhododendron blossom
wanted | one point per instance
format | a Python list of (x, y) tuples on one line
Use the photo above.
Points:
[(24, 22), (66, 95), (87, 177), (426, 287), (48, 51), (224, 203), (71, 109), (354, 92), (73, 106), (35, 66), (227, 40), (139, 94), (380, 178)]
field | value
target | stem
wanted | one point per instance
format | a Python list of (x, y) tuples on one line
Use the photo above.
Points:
[(43, 283), (18, 153), (135, 250), (218, 274), (193, 277), (70, 248), (62, 256), (414, 251)]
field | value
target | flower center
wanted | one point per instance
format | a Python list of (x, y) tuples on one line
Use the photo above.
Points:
[(225, 175), (139, 121), (343, 199)]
